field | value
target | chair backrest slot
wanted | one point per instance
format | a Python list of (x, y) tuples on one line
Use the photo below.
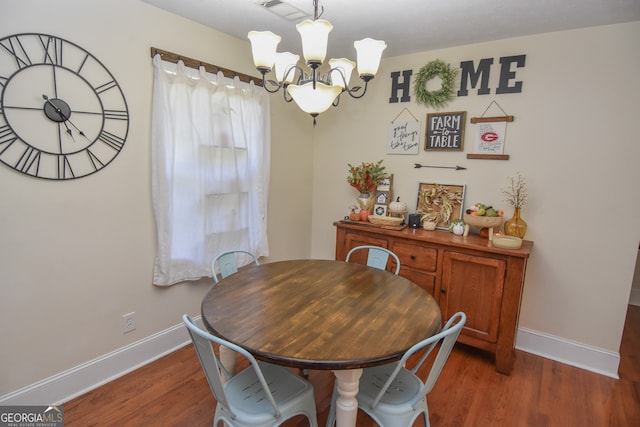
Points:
[(227, 263), (377, 256)]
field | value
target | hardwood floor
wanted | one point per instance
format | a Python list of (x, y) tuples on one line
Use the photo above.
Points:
[(539, 393)]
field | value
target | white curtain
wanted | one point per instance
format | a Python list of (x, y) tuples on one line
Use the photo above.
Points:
[(210, 148)]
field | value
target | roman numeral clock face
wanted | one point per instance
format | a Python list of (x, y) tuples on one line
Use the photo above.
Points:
[(62, 114)]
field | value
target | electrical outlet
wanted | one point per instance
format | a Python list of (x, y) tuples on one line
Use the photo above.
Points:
[(128, 322)]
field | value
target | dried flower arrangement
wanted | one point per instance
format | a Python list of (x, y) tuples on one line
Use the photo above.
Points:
[(515, 193), (366, 176)]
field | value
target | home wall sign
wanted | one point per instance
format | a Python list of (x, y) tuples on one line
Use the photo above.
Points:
[(469, 75), (445, 131), (63, 115), (404, 134)]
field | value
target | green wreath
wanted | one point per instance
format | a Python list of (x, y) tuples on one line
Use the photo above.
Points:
[(440, 97)]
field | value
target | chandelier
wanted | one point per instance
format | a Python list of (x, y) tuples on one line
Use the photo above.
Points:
[(314, 90)]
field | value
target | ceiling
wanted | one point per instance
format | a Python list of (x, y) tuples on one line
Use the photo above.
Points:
[(407, 26)]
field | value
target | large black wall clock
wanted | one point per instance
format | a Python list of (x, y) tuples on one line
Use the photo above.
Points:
[(62, 113)]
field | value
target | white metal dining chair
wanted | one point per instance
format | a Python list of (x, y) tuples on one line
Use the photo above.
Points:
[(394, 395), (227, 263), (377, 256), (261, 395)]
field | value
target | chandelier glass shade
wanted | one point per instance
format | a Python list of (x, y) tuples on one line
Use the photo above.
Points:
[(314, 100), (314, 89)]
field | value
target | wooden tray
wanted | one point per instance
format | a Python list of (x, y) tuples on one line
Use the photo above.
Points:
[(368, 224), (385, 220)]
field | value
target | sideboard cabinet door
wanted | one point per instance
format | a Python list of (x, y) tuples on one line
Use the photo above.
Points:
[(474, 285)]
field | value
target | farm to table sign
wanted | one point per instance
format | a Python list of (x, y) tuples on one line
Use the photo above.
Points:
[(445, 131)]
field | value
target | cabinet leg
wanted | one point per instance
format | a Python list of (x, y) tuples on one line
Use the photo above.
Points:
[(504, 361)]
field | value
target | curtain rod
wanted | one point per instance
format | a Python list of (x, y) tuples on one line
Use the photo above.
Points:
[(194, 63)]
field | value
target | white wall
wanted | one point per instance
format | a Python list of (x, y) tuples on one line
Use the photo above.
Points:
[(75, 256), (574, 138)]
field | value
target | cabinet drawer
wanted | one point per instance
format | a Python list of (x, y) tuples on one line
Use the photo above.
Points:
[(424, 280), (423, 258)]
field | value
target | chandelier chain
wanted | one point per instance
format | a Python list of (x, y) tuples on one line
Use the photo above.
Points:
[(315, 10)]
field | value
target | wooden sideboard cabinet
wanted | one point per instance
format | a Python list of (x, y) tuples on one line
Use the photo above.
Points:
[(462, 273)]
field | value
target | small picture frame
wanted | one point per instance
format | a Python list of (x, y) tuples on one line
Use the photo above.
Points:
[(440, 203), (385, 184), (382, 198), (380, 210), (445, 131)]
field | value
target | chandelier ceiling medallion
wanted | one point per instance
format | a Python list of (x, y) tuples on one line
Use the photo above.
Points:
[(314, 90)]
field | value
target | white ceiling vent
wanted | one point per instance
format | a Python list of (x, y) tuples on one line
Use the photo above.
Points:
[(284, 10)]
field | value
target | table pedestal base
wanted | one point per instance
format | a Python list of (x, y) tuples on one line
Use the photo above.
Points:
[(228, 360), (348, 382)]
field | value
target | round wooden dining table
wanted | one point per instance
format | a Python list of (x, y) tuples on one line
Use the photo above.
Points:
[(322, 314)]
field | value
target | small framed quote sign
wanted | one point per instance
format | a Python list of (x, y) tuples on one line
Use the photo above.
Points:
[(404, 134), (445, 131)]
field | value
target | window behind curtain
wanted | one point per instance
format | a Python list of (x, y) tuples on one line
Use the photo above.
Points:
[(210, 145)]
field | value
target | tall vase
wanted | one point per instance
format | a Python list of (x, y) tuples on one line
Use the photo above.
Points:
[(515, 226), (365, 201)]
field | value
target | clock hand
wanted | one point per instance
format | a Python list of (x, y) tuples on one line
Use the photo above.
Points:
[(69, 131), (55, 107), (76, 127), (64, 118)]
